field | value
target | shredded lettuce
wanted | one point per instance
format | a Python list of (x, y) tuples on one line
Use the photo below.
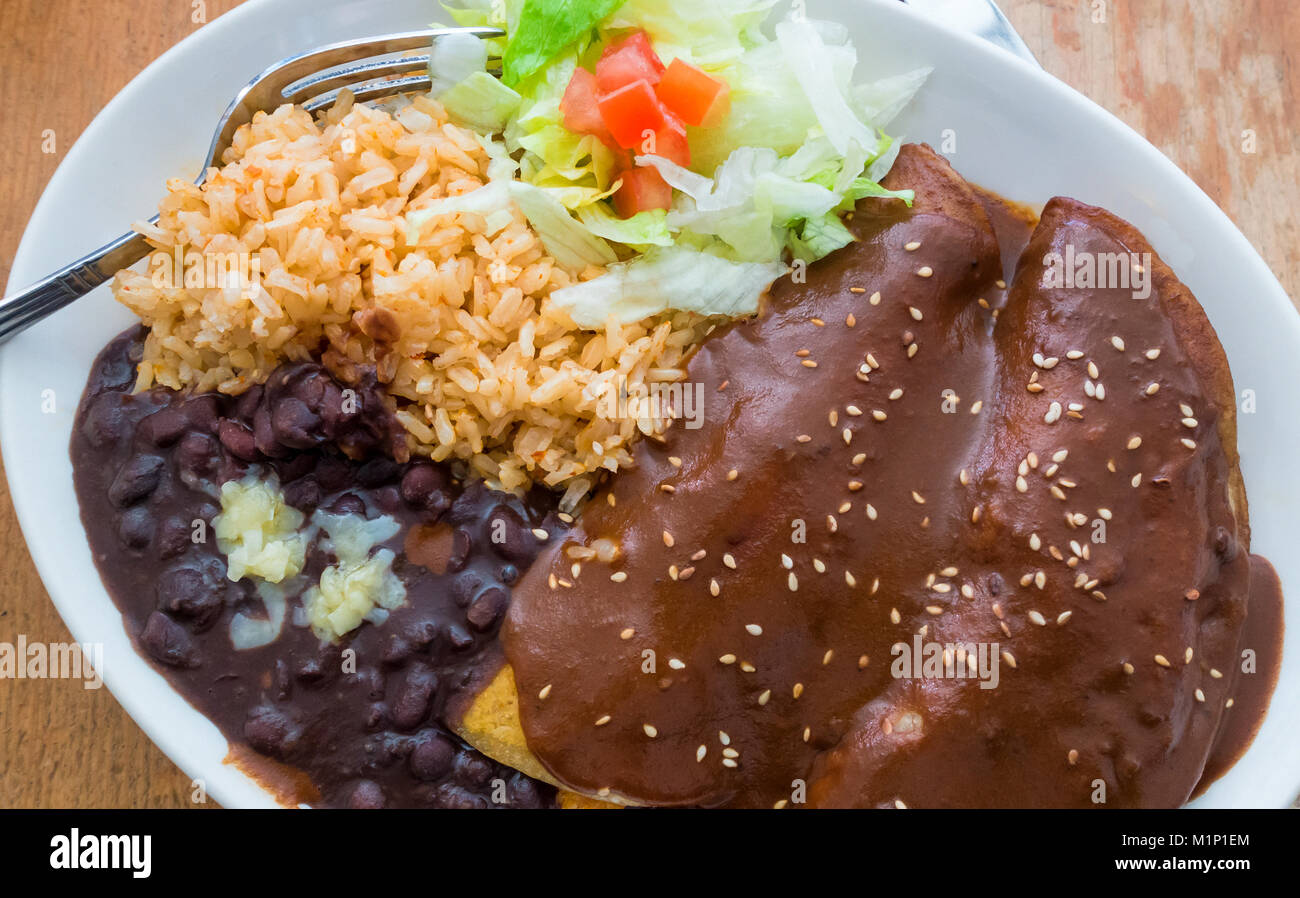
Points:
[(545, 29), (801, 145), (565, 238), (481, 102), (675, 277)]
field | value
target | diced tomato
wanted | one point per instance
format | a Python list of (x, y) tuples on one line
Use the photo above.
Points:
[(670, 142), (643, 189), (579, 106), (695, 96), (630, 112), (631, 59)]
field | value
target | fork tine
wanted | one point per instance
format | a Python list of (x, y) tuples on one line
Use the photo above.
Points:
[(336, 79), (373, 90), (267, 91)]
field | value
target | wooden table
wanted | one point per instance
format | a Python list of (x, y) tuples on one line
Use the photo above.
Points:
[(1192, 75)]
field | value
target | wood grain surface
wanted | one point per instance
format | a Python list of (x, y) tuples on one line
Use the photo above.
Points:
[(1197, 77)]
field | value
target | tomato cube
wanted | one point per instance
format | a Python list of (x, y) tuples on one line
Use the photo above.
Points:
[(579, 106), (643, 189), (630, 112), (631, 59), (669, 142), (695, 96)]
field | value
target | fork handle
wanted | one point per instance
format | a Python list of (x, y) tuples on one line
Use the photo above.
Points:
[(21, 310)]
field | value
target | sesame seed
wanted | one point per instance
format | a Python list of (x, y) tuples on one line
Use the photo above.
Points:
[(649, 730), (857, 289), (546, 690), (1128, 668), (850, 321), (879, 415), (1200, 696), (1162, 661), (1072, 757), (729, 561), (1118, 343), (714, 587), (894, 616), (600, 722), (913, 246), (853, 411), (1053, 413), (700, 753), (793, 582), (1190, 444), (875, 298), (797, 690), (676, 663), (787, 562), (727, 659), (916, 313), (618, 576), (541, 534), (753, 629), (668, 539), (925, 271), (627, 634), (1063, 617), (764, 696), (849, 579)]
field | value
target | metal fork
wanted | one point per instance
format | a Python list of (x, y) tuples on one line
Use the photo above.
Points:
[(373, 69)]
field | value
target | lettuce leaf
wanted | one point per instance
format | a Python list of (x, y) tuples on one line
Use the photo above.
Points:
[(675, 277), (546, 28)]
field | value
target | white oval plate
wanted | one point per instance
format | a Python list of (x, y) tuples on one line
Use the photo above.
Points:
[(1018, 131)]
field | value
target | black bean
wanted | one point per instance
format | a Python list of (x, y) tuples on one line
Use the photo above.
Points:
[(105, 423), (509, 538), (271, 731), (196, 455), (424, 487), (163, 427), (264, 435), (472, 769), (321, 666), (348, 503), (136, 527), (486, 610), (432, 758), (296, 466), (174, 537), (377, 472), (387, 499), (303, 494), (367, 795), (202, 412), (168, 642), (524, 792), (333, 473), (446, 795), (414, 697), (137, 479), (458, 637), (194, 592), (246, 405), (238, 440), (461, 544), (295, 425), (396, 650), (420, 633), (465, 587)]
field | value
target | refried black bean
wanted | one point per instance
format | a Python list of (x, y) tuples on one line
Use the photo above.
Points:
[(363, 717)]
